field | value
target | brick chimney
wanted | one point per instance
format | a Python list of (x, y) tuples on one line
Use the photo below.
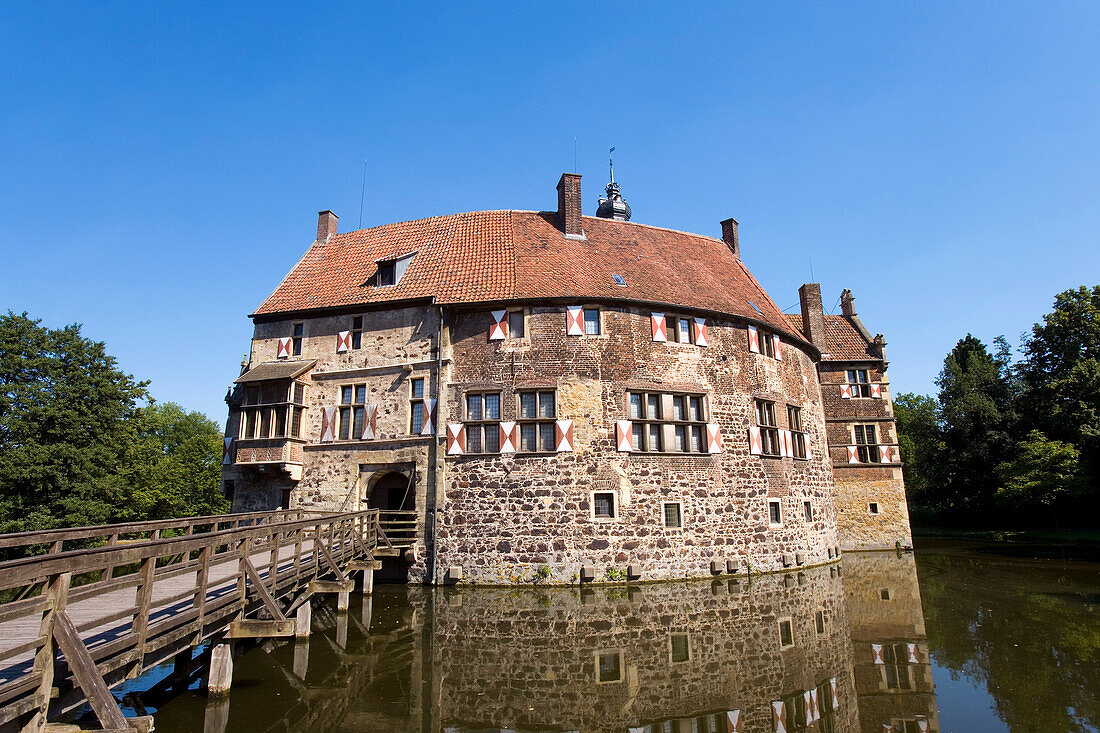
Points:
[(729, 236), (326, 224), (569, 205), (847, 303), (813, 315)]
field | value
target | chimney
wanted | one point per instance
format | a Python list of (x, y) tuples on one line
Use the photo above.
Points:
[(729, 236), (569, 205), (813, 316), (847, 303), (326, 224)]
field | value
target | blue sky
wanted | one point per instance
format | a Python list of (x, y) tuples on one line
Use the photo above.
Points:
[(163, 163)]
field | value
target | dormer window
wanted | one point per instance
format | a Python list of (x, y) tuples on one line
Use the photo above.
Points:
[(390, 271)]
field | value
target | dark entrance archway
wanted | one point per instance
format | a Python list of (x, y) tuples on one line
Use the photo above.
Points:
[(393, 492)]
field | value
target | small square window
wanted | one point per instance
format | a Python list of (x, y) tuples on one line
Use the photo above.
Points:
[(673, 516), (609, 666), (591, 322), (873, 506), (679, 648), (884, 594), (786, 633), (603, 505), (808, 510), (775, 513), (386, 273)]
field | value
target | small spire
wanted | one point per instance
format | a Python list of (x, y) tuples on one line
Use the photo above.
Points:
[(613, 207)]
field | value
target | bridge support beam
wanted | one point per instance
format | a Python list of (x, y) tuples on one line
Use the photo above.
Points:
[(303, 619), (220, 679)]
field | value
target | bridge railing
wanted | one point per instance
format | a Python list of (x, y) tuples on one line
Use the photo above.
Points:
[(76, 621)]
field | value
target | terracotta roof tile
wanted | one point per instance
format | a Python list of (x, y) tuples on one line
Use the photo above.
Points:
[(843, 341), (492, 256)]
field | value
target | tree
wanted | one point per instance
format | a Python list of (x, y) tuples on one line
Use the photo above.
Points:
[(1041, 473), (920, 438), (176, 469), (67, 427), (977, 392)]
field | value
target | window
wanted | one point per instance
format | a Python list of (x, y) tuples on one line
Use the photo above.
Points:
[(808, 511), (884, 594), (416, 405), (767, 344), (873, 507), (592, 321), (819, 622), (357, 332), (679, 648), (866, 444), (775, 513), (786, 633), (387, 272), (228, 489), (537, 412), (353, 398), (674, 518), (897, 666), (652, 411), (296, 340), (618, 280), (516, 323), (769, 428), (603, 505), (482, 422), (267, 407), (861, 386), (798, 435), (679, 329), (609, 666)]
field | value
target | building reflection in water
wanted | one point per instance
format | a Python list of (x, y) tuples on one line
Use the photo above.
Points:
[(838, 648)]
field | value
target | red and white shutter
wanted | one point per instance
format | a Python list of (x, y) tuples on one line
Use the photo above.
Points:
[(876, 653), (887, 728), (922, 725), (624, 436), (754, 340), (328, 424), (885, 454), (714, 438), (456, 439), (853, 454), (914, 653), (563, 435), (282, 351), (756, 444), (777, 347), (808, 706), (574, 320), (701, 332), (815, 705), (499, 330), (428, 426), (370, 423), (343, 341), (876, 391), (779, 717), (832, 688), (733, 721), (660, 327), (508, 437), (227, 452), (846, 391)]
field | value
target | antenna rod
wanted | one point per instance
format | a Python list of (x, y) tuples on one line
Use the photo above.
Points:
[(363, 195), (611, 163), (812, 269)]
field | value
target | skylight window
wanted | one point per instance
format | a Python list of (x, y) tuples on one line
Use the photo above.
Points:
[(619, 280), (755, 308)]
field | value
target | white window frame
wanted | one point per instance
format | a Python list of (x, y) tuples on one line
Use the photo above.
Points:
[(615, 509), (596, 668), (664, 517), (778, 503)]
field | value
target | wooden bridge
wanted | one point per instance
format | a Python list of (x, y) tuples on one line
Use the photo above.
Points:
[(84, 609)]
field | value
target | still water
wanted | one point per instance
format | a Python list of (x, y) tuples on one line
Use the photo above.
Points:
[(954, 638)]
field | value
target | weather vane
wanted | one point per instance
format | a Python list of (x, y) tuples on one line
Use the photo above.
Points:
[(611, 163)]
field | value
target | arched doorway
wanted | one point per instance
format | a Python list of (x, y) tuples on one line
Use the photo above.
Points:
[(393, 491)]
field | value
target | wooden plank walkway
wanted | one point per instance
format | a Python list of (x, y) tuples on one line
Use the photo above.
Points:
[(134, 595)]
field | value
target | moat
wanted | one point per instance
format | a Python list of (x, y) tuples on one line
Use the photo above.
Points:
[(956, 637)]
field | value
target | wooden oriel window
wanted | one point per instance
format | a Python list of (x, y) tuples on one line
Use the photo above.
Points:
[(536, 418), (272, 410), (483, 422), (769, 428)]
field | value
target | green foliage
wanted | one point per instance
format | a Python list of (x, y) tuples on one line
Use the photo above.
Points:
[(542, 574), (921, 441), (1042, 472), (81, 443), (615, 575)]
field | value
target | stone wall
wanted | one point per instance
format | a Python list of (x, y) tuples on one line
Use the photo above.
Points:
[(506, 516)]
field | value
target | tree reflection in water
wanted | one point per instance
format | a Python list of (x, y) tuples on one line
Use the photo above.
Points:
[(794, 650)]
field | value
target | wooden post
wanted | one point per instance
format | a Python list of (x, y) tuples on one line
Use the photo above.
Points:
[(57, 595), (368, 582), (140, 625), (342, 601), (301, 658), (365, 612), (303, 618), (220, 679), (202, 578), (342, 630)]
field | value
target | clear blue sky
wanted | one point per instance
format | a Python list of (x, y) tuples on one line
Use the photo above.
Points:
[(163, 164)]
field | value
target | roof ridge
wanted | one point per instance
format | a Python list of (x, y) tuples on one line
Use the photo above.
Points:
[(647, 226)]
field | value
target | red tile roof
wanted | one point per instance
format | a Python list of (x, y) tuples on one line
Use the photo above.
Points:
[(843, 341), (493, 256)]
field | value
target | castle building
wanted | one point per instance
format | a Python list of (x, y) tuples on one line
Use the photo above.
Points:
[(553, 395)]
